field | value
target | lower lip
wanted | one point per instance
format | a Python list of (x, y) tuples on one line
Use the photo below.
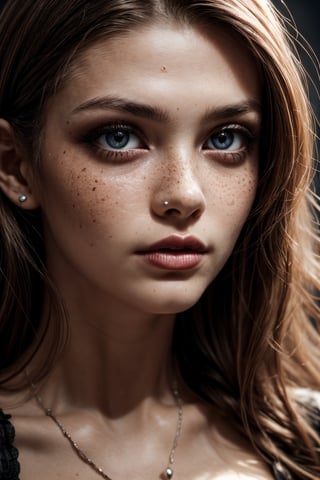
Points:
[(173, 260)]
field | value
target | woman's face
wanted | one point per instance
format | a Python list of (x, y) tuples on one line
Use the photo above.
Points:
[(149, 166)]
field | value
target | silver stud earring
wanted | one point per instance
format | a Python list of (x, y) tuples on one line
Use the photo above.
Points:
[(22, 198), (166, 203)]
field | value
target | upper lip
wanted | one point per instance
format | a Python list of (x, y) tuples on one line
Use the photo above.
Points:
[(176, 242)]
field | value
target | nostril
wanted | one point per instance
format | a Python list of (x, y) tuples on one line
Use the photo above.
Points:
[(197, 214), (172, 211)]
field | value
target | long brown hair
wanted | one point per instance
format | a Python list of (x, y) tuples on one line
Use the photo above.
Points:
[(251, 339)]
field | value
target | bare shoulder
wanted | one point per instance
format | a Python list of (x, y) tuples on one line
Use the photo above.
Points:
[(213, 450), (19, 410), (15, 403)]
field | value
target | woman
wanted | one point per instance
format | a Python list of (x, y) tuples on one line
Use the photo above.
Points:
[(159, 259)]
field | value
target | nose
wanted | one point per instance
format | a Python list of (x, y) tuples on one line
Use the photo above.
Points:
[(178, 194)]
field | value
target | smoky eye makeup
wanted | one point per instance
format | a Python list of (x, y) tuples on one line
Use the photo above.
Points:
[(114, 141), (120, 141), (230, 143)]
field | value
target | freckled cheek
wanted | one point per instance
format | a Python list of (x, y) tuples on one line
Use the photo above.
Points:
[(94, 201), (103, 206), (78, 195), (233, 195)]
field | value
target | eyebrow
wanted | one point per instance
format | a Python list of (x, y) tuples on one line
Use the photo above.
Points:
[(157, 114), (125, 106), (233, 110)]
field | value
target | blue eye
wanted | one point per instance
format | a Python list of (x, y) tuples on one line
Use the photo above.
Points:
[(226, 139), (118, 138)]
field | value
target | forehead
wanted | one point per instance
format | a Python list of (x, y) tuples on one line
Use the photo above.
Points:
[(143, 62)]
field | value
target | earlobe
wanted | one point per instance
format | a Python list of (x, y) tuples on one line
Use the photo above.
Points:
[(16, 179)]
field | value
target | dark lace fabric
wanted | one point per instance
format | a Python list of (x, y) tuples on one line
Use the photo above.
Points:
[(10, 468), (9, 465)]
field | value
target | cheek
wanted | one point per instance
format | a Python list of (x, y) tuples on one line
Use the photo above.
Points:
[(72, 194), (232, 195), (87, 200), (241, 192), (237, 190), (90, 197)]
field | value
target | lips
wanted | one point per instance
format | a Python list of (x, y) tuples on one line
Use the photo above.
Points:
[(175, 253), (175, 242)]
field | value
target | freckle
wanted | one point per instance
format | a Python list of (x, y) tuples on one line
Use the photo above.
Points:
[(91, 244), (94, 220), (64, 152), (103, 199), (94, 188), (78, 194), (80, 226), (73, 205), (84, 169), (96, 181)]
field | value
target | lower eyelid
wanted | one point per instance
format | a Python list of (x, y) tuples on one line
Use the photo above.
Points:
[(95, 148), (235, 157), (227, 156), (117, 156)]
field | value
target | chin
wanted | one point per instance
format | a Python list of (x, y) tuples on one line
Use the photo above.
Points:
[(168, 297), (172, 305)]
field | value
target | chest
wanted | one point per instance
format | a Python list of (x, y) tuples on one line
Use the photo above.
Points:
[(195, 460)]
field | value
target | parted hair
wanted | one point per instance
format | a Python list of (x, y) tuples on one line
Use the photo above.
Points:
[(252, 339)]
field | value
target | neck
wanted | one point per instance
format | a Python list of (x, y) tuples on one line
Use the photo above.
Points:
[(113, 361)]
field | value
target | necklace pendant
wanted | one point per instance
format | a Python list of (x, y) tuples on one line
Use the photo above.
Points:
[(169, 472)]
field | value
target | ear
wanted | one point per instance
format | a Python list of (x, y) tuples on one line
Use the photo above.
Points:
[(16, 177)]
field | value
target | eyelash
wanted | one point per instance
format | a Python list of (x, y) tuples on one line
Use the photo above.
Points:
[(245, 136), (92, 140)]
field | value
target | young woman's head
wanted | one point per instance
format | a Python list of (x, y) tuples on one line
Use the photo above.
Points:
[(192, 115)]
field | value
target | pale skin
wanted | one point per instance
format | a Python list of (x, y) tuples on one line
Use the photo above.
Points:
[(173, 94)]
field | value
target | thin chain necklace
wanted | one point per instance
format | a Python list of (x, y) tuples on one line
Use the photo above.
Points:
[(169, 470)]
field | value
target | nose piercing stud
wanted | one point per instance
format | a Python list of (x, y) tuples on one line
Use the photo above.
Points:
[(166, 203)]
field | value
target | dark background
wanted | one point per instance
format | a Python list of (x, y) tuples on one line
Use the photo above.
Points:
[(306, 14)]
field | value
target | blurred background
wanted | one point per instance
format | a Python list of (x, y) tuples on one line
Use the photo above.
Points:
[(306, 15)]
